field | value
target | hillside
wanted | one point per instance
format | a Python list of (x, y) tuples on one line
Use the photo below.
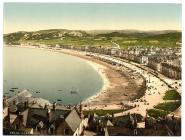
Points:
[(104, 38)]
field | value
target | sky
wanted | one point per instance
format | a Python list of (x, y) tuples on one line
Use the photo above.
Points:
[(96, 16)]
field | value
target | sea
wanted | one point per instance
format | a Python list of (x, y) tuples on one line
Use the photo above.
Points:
[(50, 75)]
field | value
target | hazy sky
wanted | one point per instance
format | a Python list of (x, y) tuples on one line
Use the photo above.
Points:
[(37, 16)]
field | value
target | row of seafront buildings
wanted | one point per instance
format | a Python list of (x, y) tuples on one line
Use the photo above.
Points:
[(166, 61)]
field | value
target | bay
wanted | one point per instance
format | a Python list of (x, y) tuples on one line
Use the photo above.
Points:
[(49, 75)]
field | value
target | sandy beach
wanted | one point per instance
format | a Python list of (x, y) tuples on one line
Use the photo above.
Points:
[(122, 83), (118, 87)]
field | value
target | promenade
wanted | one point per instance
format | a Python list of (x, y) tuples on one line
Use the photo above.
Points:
[(156, 85)]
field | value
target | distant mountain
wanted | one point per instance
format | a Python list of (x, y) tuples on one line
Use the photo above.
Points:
[(123, 34), (165, 35), (134, 33), (131, 31)]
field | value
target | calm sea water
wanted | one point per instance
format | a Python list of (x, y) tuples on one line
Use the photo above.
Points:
[(53, 74)]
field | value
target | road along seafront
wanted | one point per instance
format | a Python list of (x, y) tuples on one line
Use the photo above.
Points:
[(156, 85)]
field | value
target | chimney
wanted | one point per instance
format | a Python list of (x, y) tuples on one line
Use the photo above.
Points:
[(5, 103), (54, 105), (25, 104), (49, 115), (112, 117), (45, 107), (14, 102)]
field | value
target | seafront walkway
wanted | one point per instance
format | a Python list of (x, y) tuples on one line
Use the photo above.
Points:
[(156, 86), (172, 83)]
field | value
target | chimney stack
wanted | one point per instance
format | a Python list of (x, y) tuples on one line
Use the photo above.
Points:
[(112, 117), (54, 105), (5, 103), (25, 104), (45, 107), (14, 102), (49, 115)]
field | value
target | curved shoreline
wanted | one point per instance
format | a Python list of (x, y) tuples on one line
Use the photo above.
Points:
[(117, 87), (106, 83), (114, 83), (100, 69)]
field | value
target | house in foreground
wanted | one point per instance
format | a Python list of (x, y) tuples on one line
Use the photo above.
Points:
[(21, 119)]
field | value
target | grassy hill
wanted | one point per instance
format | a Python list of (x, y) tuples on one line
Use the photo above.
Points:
[(124, 38)]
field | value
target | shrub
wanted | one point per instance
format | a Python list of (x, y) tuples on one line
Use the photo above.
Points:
[(168, 106), (157, 113), (172, 95)]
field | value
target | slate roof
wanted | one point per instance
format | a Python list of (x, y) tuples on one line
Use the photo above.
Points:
[(35, 115), (119, 131), (12, 118), (73, 120), (123, 131)]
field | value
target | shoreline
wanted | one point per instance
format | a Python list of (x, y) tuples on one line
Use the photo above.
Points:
[(114, 83), (106, 83), (117, 88), (101, 70)]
